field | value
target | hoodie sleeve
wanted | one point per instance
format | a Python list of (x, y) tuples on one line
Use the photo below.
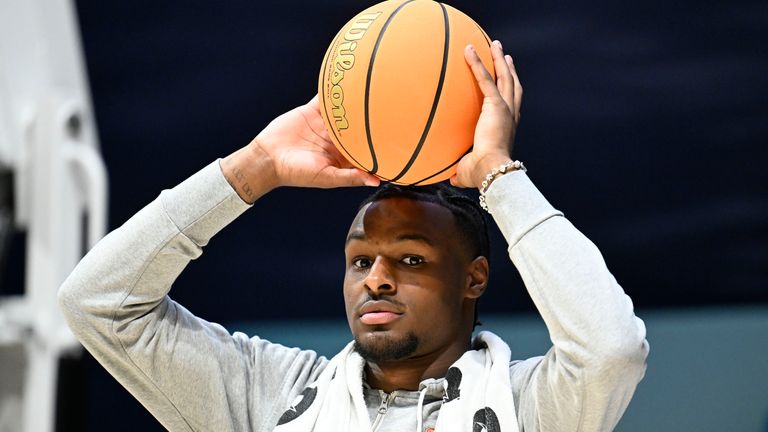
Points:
[(586, 380), (192, 375)]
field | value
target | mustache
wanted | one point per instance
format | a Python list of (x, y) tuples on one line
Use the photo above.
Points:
[(386, 298)]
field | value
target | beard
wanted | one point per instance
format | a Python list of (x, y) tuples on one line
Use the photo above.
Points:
[(380, 348)]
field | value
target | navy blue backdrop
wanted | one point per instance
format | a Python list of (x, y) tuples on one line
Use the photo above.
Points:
[(645, 122)]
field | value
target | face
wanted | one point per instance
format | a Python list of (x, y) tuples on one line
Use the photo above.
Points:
[(408, 282)]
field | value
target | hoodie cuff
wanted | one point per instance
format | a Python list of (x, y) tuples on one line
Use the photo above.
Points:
[(203, 204)]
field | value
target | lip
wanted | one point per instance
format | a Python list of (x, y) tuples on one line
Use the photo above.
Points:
[(378, 318), (379, 312)]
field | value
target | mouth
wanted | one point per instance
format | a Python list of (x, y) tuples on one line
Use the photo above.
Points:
[(379, 312), (378, 318)]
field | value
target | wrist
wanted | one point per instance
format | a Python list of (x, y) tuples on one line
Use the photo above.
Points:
[(493, 175), (486, 165), (250, 171)]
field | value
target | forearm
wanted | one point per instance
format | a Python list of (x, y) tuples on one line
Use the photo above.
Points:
[(131, 270), (115, 302), (599, 346), (589, 317)]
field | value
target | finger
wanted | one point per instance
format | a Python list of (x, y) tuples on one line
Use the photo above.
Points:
[(318, 126), (334, 154), (514, 106), (314, 103), (518, 92), (311, 114), (504, 80), (322, 131), (484, 79), (459, 178), (332, 177), (455, 182)]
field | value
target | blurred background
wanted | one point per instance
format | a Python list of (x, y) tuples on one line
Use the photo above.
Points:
[(646, 123)]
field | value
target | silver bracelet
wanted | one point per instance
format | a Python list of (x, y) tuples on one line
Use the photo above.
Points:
[(498, 172)]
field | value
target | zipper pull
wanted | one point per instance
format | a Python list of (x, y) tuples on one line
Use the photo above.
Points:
[(383, 405)]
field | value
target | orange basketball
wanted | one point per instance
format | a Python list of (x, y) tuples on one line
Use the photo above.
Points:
[(397, 96)]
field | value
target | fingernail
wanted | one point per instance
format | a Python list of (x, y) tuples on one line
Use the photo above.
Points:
[(472, 52), (372, 182), (509, 57), (498, 43)]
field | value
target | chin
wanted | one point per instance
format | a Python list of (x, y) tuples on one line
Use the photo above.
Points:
[(380, 347)]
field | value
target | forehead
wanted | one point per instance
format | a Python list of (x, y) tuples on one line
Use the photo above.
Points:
[(391, 218)]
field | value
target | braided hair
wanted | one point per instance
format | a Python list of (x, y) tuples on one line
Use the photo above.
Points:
[(469, 216)]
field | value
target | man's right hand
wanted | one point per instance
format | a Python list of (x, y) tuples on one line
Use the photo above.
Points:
[(293, 150)]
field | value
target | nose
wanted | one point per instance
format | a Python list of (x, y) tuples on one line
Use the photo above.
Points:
[(380, 278)]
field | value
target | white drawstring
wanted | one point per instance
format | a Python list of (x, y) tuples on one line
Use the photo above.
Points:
[(420, 410)]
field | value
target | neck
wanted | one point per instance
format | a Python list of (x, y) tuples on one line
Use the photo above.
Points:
[(406, 374)]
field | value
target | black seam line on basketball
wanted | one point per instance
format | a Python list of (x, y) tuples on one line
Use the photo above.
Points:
[(325, 106), (368, 86), (444, 169), (435, 102), (487, 39)]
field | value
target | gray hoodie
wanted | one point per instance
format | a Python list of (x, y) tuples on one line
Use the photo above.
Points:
[(193, 375)]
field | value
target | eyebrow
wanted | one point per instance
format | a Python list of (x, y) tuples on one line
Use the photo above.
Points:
[(359, 235)]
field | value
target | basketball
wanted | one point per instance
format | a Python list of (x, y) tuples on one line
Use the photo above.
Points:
[(398, 98)]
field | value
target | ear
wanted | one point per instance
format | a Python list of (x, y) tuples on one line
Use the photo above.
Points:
[(477, 277)]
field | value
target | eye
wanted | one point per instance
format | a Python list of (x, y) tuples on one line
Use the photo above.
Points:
[(412, 260), (361, 263)]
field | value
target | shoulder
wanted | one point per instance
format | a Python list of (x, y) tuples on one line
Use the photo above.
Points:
[(521, 372), (269, 353)]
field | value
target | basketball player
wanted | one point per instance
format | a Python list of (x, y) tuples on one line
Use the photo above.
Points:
[(416, 262)]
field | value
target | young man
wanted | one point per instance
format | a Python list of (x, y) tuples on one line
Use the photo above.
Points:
[(416, 264)]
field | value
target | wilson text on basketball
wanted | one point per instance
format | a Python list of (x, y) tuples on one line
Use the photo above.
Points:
[(344, 60)]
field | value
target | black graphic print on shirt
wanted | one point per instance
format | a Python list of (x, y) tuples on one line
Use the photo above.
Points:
[(485, 420), (453, 379), (307, 397)]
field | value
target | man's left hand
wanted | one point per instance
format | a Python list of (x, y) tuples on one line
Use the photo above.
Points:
[(500, 115)]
